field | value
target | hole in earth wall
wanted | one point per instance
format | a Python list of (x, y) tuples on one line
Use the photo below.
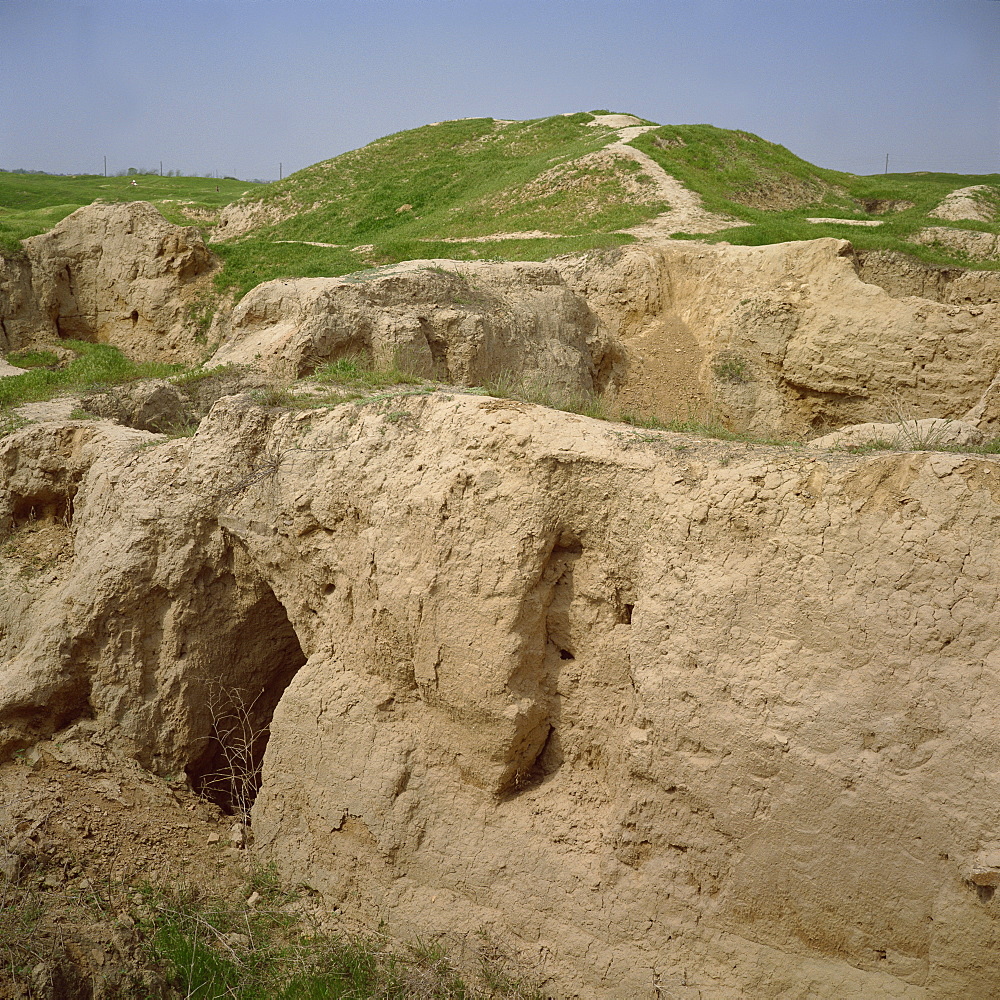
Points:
[(244, 677), (536, 751)]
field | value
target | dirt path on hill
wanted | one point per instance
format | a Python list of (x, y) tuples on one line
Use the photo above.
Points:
[(687, 213)]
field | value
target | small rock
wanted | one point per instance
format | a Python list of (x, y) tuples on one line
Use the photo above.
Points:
[(213, 838), (253, 899), (986, 876), (238, 834)]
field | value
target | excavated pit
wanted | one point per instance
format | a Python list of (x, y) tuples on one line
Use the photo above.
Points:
[(901, 275), (641, 703)]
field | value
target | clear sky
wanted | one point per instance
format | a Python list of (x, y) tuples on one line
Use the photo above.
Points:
[(239, 86)]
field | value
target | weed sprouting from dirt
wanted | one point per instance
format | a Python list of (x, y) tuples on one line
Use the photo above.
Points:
[(197, 375), (213, 951), (240, 738), (358, 370), (732, 368)]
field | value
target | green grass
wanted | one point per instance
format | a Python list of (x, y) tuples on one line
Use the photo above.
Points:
[(400, 197), (209, 950), (32, 359), (95, 365), (764, 184), (732, 368), (460, 179), (256, 259), (248, 946), (196, 375), (407, 195), (33, 203), (204, 966), (914, 442), (359, 371)]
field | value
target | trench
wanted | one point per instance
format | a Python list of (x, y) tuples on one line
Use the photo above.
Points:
[(901, 275)]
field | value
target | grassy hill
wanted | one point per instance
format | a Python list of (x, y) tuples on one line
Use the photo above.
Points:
[(407, 195), (550, 185), (776, 192), (410, 194)]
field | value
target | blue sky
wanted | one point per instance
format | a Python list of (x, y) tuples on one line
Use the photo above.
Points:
[(238, 86)]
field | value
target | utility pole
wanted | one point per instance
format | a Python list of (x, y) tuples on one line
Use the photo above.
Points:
[(105, 166), (887, 163), (280, 174), (161, 168)]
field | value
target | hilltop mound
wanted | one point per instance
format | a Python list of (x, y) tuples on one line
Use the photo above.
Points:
[(486, 189), (569, 175), (457, 179), (530, 190)]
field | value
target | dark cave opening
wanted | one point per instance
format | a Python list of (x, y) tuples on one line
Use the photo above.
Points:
[(247, 672)]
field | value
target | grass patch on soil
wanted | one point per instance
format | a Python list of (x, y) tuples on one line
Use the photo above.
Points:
[(991, 447), (176, 943), (250, 261), (218, 951), (32, 359), (95, 366), (357, 370)]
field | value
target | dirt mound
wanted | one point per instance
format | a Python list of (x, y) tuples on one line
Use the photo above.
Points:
[(901, 275), (118, 274), (787, 339), (884, 206), (458, 322), (242, 217), (969, 243), (615, 121), (968, 203), (165, 407)]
